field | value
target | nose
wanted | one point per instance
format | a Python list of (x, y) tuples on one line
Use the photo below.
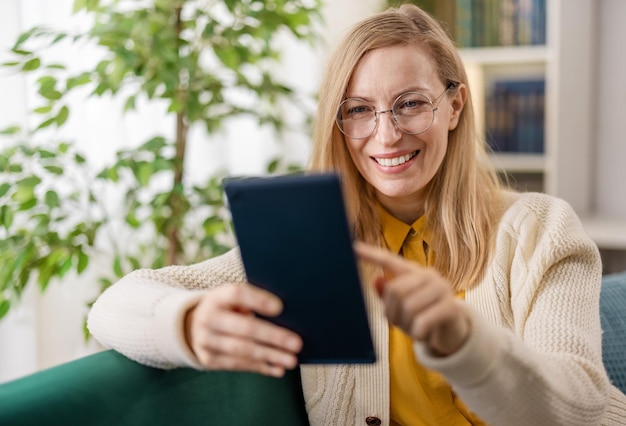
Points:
[(386, 132)]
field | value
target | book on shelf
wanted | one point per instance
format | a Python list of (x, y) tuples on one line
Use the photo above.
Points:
[(514, 116), (479, 23)]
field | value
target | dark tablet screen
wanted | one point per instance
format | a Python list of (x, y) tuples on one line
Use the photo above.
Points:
[(295, 242)]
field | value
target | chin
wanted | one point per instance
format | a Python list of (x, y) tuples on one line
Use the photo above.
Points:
[(397, 189)]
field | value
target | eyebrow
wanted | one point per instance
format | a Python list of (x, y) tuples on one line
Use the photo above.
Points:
[(419, 89)]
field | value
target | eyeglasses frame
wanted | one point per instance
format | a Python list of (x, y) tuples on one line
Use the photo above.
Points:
[(450, 85)]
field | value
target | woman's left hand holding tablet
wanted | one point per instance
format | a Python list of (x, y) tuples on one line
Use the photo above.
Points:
[(224, 333), (419, 301)]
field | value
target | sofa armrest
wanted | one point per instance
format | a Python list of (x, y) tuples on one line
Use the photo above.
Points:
[(108, 389)]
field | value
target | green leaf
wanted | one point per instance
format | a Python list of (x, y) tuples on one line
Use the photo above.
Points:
[(43, 110), (44, 277), (117, 267), (132, 221), (7, 216), (143, 174), (79, 159), (24, 37), (79, 5), (23, 194), (29, 181), (273, 166), (134, 262), (4, 188), (47, 123), (57, 39), (61, 117), (86, 332), (105, 283), (21, 52), (27, 205), (228, 57), (52, 199), (83, 262), (175, 106), (154, 144), (129, 104), (56, 67), (65, 266), (50, 93), (47, 82), (110, 173), (31, 64), (5, 305), (44, 153), (55, 170), (81, 80), (11, 130), (88, 5)]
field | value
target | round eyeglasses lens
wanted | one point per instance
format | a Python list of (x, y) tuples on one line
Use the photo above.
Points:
[(413, 113), (356, 118)]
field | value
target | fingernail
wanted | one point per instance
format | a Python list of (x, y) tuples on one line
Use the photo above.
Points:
[(274, 305), (277, 372), (293, 343)]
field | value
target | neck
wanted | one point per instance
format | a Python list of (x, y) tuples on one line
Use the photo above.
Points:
[(408, 210)]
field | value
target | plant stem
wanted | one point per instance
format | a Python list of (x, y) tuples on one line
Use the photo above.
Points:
[(176, 200)]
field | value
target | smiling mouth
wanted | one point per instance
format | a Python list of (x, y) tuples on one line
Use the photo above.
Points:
[(395, 161)]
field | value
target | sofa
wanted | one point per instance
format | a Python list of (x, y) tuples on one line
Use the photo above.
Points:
[(108, 389)]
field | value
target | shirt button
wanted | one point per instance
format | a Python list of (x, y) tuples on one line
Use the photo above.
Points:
[(373, 421)]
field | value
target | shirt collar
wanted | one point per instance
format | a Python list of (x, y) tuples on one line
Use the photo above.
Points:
[(395, 231)]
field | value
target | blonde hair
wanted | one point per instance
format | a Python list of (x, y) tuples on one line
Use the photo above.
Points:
[(460, 198)]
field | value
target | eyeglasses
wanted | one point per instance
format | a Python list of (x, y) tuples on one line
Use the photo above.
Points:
[(412, 112)]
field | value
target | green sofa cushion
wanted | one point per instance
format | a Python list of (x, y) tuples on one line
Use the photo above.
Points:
[(613, 317), (109, 389)]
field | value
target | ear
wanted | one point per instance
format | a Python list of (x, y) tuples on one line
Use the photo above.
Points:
[(457, 103)]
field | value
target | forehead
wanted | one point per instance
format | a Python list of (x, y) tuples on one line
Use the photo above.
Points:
[(388, 71)]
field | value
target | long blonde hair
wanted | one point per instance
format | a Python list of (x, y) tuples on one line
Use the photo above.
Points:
[(460, 197)]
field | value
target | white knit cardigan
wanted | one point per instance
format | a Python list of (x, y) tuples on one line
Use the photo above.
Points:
[(533, 358)]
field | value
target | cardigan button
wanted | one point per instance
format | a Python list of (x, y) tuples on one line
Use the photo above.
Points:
[(373, 421)]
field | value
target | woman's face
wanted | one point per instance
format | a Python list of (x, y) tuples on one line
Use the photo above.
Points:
[(396, 164)]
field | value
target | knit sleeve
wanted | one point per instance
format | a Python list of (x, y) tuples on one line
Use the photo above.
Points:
[(141, 316), (534, 356)]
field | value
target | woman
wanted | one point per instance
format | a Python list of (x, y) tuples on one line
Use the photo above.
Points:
[(488, 316)]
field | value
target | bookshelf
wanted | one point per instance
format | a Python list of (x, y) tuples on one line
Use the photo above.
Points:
[(565, 61)]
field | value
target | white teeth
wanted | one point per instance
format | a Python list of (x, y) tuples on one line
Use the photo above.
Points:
[(396, 161)]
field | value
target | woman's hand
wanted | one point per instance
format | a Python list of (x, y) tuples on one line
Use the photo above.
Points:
[(419, 301), (224, 333)]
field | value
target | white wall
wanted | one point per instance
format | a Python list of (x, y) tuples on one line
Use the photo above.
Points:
[(47, 330), (610, 143)]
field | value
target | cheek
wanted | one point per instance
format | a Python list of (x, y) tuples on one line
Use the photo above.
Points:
[(355, 149)]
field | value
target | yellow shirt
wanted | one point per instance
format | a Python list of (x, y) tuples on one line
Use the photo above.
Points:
[(417, 396)]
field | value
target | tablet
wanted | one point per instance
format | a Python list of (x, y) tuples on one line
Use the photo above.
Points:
[(295, 242)]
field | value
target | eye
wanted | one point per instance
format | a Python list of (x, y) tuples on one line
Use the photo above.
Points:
[(411, 103), (355, 110), (359, 109)]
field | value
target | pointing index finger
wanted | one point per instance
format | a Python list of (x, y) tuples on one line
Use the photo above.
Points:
[(381, 257)]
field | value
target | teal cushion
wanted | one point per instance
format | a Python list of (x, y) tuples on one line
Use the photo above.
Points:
[(109, 389), (613, 317)]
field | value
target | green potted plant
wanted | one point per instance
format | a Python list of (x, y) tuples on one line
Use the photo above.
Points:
[(193, 55)]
